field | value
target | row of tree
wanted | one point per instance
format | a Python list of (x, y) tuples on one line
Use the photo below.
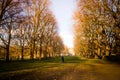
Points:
[(97, 28), (28, 27)]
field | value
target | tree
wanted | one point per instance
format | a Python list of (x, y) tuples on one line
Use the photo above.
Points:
[(99, 20), (9, 16), (29, 24)]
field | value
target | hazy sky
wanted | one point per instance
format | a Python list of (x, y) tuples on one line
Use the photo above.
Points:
[(63, 11)]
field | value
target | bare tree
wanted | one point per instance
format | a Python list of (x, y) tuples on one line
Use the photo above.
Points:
[(9, 15)]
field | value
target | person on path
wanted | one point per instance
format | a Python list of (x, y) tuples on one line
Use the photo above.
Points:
[(62, 59)]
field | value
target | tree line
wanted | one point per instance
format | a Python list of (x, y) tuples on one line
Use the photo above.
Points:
[(97, 28), (28, 29)]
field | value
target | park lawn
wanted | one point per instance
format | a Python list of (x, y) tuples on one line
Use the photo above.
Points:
[(74, 68)]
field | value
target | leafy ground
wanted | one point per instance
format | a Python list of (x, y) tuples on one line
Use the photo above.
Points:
[(74, 68)]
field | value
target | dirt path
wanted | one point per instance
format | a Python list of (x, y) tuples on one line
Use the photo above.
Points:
[(91, 71), (86, 71)]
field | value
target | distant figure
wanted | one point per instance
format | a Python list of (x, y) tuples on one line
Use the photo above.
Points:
[(62, 59)]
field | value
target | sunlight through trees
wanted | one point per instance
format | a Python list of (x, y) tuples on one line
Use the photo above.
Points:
[(28, 29)]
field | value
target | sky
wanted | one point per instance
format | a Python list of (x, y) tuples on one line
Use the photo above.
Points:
[(63, 11)]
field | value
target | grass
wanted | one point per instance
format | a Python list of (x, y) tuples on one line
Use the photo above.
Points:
[(74, 68), (29, 64)]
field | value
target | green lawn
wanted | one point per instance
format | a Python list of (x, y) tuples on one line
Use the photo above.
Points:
[(74, 68)]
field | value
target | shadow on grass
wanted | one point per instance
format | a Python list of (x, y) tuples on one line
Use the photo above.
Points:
[(50, 69), (67, 59), (29, 64), (40, 64)]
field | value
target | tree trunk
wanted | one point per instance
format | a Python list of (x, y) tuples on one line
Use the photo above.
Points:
[(8, 49), (7, 54), (22, 53), (31, 54), (110, 52), (31, 51), (8, 45), (36, 52), (40, 49)]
